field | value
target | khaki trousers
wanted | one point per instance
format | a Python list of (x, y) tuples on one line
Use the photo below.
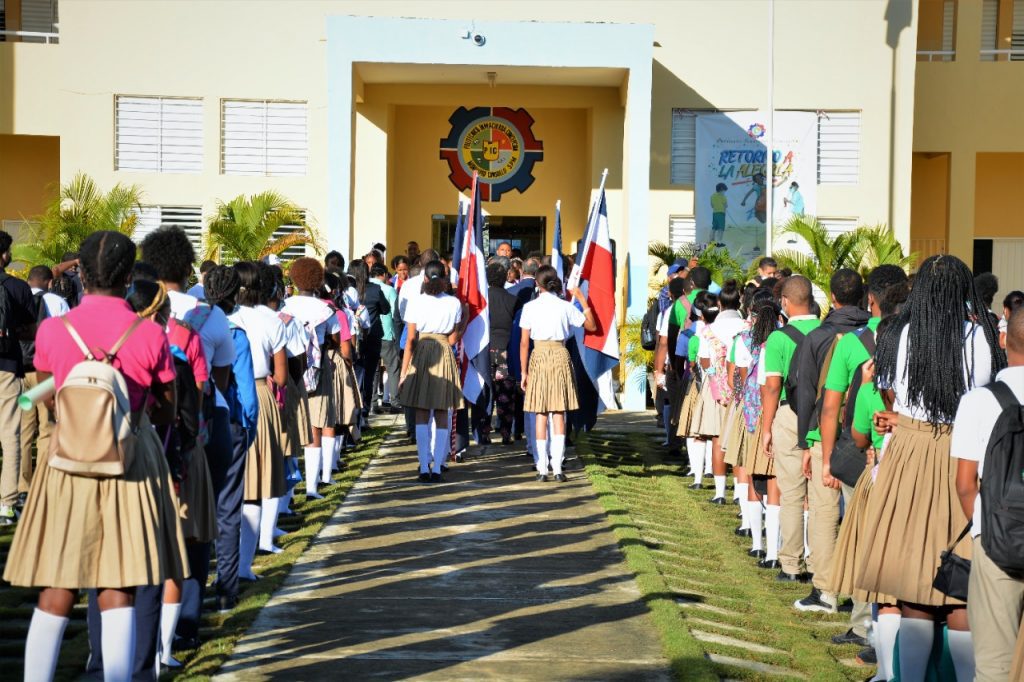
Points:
[(36, 426), (860, 616), (10, 438), (994, 607)]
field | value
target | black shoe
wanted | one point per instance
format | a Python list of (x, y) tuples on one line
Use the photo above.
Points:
[(395, 409), (436, 478), (814, 602), (483, 439), (542, 478), (506, 440), (460, 456), (850, 637), (424, 478), (22, 497), (696, 486), (739, 515), (674, 453), (744, 532), (444, 468), (736, 501), (379, 409), (717, 500), (867, 656), (186, 643), (784, 577), (769, 564), (561, 478), (226, 604), (756, 554)]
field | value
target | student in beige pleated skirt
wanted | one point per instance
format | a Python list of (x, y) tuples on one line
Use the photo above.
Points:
[(929, 357), (111, 534), (430, 381), (548, 379), (698, 446)]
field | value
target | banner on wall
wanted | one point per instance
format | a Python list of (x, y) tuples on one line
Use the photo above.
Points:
[(730, 204)]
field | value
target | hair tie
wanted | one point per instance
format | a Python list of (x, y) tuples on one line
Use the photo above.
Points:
[(158, 302), (712, 309), (435, 276)]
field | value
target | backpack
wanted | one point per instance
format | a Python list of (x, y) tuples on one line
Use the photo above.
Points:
[(8, 338), (314, 352), (649, 327), (848, 461), (789, 381), (1002, 486), (28, 348), (181, 439), (94, 435)]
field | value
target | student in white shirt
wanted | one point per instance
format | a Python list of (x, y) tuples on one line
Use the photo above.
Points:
[(39, 279), (996, 601), (264, 467), (927, 360), (322, 327), (198, 289), (548, 379), (431, 382)]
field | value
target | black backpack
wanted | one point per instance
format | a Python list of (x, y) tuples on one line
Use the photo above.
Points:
[(28, 348), (8, 338), (649, 327), (1002, 486), (848, 460)]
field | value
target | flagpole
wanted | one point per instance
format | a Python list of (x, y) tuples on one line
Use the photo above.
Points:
[(574, 278), (769, 180)]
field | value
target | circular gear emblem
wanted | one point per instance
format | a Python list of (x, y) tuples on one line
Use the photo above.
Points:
[(497, 143)]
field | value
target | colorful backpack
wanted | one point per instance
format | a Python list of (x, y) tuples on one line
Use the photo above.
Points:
[(717, 371), (752, 388)]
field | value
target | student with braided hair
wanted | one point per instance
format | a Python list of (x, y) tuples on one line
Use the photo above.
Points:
[(111, 534), (942, 344)]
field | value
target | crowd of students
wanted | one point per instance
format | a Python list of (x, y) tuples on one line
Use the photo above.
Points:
[(856, 440)]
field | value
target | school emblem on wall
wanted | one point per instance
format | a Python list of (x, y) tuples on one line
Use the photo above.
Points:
[(497, 143)]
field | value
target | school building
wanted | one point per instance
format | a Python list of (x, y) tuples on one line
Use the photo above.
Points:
[(371, 116)]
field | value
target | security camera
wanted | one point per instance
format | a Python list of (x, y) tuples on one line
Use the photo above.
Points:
[(479, 39)]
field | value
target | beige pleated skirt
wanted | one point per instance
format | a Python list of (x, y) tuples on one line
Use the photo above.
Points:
[(347, 400), (433, 382), (321, 403), (687, 409), (197, 504), (734, 433), (84, 533), (264, 463), (297, 432), (551, 386), (707, 414), (754, 460), (913, 514)]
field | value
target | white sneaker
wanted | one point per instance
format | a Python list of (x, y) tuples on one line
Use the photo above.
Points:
[(8, 515)]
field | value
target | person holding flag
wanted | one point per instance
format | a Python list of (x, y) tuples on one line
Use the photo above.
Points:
[(548, 378)]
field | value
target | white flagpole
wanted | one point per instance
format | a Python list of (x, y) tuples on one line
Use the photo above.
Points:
[(769, 180)]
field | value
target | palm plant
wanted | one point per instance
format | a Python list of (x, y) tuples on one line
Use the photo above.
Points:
[(876, 246), (244, 228), (79, 209), (633, 355), (719, 261)]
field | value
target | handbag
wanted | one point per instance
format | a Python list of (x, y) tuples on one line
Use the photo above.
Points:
[(848, 461), (954, 571)]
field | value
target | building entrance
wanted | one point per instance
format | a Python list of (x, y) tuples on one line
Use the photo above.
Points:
[(524, 233)]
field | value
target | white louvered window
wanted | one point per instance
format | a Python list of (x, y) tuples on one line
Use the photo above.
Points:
[(38, 16), (948, 27), (684, 147), (838, 226), (682, 230), (1017, 32), (989, 29), (158, 134), (285, 230), (839, 148), (261, 137), (188, 218)]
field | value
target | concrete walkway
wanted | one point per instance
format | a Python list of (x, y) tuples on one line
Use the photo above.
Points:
[(489, 575)]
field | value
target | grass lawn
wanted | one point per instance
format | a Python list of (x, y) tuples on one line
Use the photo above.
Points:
[(218, 632), (707, 597)]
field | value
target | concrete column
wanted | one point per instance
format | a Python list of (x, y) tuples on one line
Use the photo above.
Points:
[(960, 238), (968, 31), (340, 99)]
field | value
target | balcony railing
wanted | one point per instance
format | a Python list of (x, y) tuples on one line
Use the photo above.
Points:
[(1012, 55), (936, 55), (29, 37)]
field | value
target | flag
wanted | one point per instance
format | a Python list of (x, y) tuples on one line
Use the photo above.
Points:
[(460, 236), (556, 248), (472, 290), (595, 275)]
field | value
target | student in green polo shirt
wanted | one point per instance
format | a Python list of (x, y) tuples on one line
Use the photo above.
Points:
[(779, 424)]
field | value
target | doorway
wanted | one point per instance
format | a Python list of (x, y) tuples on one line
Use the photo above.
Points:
[(524, 233)]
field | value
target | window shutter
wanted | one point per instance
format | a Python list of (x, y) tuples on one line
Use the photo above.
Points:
[(38, 16), (264, 138), (684, 147), (839, 148), (158, 134), (188, 218), (948, 19), (838, 226), (293, 252), (989, 24), (682, 229), (1017, 32)]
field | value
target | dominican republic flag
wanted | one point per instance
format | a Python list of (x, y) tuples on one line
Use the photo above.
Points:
[(595, 276), (472, 289), (556, 247), (460, 237)]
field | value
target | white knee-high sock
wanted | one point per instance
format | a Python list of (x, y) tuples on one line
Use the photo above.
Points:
[(118, 643), (886, 629), (740, 493), (709, 460), (772, 531), (283, 502), (248, 537), (42, 646), (168, 621), (442, 448), (541, 447), (557, 446), (915, 638), (695, 451), (754, 514), (326, 458), (961, 650), (720, 486), (807, 546), (268, 522), (312, 460), (423, 447)]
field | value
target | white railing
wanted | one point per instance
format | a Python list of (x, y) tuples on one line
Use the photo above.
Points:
[(993, 55), (45, 36), (936, 55)]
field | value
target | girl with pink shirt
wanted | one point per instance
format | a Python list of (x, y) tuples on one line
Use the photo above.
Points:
[(110, 534)]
